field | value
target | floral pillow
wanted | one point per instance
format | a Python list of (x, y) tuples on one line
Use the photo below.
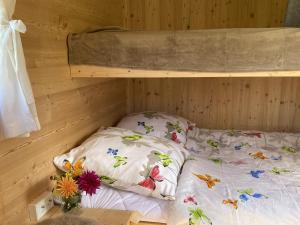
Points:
[(130, 161), (158, 124)]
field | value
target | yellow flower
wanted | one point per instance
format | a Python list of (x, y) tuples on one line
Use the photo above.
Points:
[(66, 187)]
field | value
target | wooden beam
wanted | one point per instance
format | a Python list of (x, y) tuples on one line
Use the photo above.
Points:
[(198, 53), (100, 71)]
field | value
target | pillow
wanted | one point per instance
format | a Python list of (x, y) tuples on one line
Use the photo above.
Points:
[(130, 161), (158, 124)]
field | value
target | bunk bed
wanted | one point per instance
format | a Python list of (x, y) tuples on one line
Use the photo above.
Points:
[(259, 52)]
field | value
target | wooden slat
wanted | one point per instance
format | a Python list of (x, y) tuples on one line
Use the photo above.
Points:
[(69, 109), (198, 53), (270, 104), (109, 72), (207, 14)]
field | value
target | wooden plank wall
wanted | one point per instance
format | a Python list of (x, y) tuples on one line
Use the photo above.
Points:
[(197, 14), (69, 109), (242, 103), (223, 103)]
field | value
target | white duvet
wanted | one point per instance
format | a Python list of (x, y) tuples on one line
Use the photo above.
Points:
[(239, 178), (151, 209)]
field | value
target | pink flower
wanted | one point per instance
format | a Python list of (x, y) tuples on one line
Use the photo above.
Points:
[(89, 182), (190, 199)]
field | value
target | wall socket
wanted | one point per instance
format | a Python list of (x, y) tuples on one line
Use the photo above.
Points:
[(40, 206)]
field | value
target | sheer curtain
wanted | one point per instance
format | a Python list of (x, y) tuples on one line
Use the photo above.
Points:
[(18, 116)]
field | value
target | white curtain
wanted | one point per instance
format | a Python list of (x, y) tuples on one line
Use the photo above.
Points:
[(18, 115)]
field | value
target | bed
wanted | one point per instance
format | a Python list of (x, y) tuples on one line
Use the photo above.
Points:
[(239, 177), (229, 177)]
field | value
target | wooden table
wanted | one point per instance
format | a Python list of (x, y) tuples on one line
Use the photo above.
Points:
[(104, 216)]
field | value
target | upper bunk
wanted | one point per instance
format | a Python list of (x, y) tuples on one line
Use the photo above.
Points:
[(241, 52)]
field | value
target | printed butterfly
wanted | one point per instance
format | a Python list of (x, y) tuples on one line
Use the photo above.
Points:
[(112, 152), (197, 216), (258, 155), (141, 124), (213, 143), (120, 161), (210, 181), (175, 138), (76, 169), (256, 173), (134, 137), (278, 171), (153, 177), (107, 180), (164, 158), (234, 203), (217, 161), (240, 146), (288, 149), (245, 194), (276, 158), (174, 127), (148, 129)]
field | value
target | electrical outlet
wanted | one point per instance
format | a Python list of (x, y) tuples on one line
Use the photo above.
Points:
[(40, 206)]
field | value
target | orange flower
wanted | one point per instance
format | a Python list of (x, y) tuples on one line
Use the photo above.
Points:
[(66, 187)]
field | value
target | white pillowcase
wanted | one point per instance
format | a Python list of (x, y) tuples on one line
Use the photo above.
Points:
[(130, 161), (158, 124)]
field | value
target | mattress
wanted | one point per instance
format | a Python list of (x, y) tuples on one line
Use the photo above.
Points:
[(151, 209), (239, 178)]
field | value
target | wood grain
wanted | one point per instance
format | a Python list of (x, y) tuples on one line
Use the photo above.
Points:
[(84, 71), (270, 104), (197, 14), (228, 51), (221, 103), (69, 109)]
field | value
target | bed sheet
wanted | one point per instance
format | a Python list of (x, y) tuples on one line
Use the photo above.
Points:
[(239, 178), (151, 209)]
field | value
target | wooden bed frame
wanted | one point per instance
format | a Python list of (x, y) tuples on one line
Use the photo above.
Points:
[(255, 52)]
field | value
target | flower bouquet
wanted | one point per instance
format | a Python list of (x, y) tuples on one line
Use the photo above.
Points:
[(71, 184)]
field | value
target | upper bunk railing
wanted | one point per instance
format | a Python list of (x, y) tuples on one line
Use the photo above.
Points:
[(200, 53)]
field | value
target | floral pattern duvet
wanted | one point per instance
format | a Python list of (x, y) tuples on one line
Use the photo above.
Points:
[(239, 178)]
